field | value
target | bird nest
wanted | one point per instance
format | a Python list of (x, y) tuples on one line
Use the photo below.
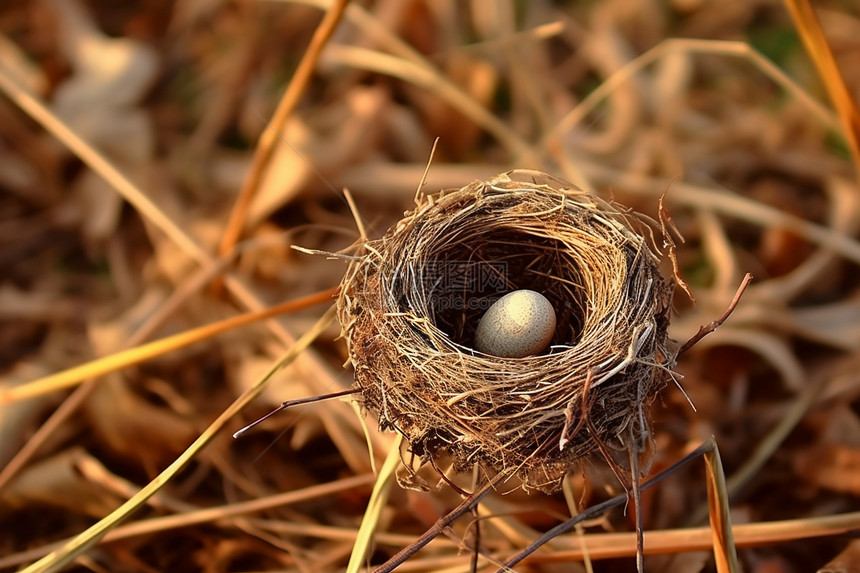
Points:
[(410, 305)]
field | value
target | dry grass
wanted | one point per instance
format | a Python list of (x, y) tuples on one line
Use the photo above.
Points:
[(109, 242)]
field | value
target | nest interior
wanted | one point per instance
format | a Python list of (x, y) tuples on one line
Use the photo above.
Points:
[(410, 305)]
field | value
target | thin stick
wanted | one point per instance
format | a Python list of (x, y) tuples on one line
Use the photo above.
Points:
[(419, 192), (446, 479), (707, 329), (637, 501), (359, 224), (667, 226), (290, 404), (600, 508), (268, 138), (439, 527), (476, 550)]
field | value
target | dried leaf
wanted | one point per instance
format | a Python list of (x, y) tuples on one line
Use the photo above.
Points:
[(17, 418), (57, 482), (836, 324), (108, 72), (848, 561), (830, 466), (135, 428)]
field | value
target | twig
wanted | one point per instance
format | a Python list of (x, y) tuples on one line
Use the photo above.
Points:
[(667, 227), (290, 404), (709, 328), (600, 508), (809, 27), (637, 502), (439, 527)]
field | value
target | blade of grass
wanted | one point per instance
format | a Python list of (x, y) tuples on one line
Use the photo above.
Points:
[(378, 500), (412, 66), (209, 514), (612, 545), (771, 442), (368, 438), (194, 284), (269, 137), (573, 506), (138, 354), (318, 373), (58, 559), (816, 44), (692, 46), (725, 554), (89, 155)]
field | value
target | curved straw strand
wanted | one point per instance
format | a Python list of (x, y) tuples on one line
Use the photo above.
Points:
[(220, 514), (89, 155), (268, 138), (410, 65), (807, 24), (693, 46), (56, 560), (124, 358), (673, 541)]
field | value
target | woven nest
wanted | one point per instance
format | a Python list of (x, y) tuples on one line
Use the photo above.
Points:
[(411, 302)]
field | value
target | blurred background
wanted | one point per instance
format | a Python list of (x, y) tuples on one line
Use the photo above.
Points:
[(714, 103)]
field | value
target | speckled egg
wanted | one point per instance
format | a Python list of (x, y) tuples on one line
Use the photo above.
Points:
[(519, 324)]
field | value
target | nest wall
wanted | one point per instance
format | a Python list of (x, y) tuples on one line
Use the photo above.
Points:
[(411, 302)]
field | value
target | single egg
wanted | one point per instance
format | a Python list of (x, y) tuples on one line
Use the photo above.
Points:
[(519, 324)]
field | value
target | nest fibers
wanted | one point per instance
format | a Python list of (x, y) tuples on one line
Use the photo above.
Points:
[(411, 303)]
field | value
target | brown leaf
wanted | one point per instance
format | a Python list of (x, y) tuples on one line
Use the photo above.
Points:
[(832, 467), (848, 561), (135, 428), (56, 481), (108, 72)]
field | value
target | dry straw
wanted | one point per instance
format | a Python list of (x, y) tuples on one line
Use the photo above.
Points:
[(410, 304)]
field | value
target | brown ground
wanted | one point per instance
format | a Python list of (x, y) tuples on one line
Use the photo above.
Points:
[(176, 95)]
